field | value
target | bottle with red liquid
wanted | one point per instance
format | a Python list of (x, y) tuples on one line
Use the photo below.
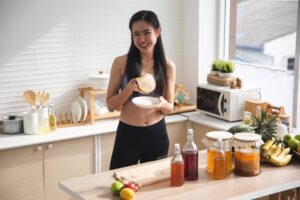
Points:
[(177, 168), (190, 157)]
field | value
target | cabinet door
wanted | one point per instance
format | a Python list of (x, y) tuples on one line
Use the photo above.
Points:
[(106, 147), (65, 160), (177, 134), (199, 133), (21, 173)]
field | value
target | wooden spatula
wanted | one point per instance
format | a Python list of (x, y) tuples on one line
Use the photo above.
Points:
[(29, 97), (44, 98)]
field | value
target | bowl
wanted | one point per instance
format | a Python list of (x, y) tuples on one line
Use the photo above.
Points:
[(99, 81)]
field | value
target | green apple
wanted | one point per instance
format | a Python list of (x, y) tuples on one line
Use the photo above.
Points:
[(286, 138), (293, 143), (116, 187), (297, 137)]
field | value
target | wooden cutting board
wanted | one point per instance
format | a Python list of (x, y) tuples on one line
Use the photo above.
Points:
[(157, 171)]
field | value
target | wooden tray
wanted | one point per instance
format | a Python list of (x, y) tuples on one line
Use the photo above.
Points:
[(215, 80)]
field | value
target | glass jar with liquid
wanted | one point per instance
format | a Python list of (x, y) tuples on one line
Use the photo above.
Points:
[(247, 154), (177, 167), (211, 144), (190, 157)]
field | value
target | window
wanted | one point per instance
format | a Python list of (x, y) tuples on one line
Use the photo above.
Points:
[(261, 38)]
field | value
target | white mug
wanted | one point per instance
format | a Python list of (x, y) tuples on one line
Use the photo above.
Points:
[(30, 122)]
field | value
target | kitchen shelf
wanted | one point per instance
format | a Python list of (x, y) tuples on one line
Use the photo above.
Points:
[(91, 94), (92, 117)]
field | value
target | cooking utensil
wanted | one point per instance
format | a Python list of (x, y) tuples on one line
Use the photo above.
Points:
[(29, 97), (44, 98), (11, 124)]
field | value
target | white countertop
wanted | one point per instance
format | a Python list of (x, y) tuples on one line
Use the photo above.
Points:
[(209, 121), (100, 127)]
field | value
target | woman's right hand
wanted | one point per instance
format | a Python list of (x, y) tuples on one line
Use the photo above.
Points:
[(132, 85)]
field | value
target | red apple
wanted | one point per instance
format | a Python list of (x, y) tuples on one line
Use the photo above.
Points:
[(131, 186)]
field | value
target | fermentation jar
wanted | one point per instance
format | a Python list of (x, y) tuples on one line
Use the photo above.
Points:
[(211, 143), (247, 154)]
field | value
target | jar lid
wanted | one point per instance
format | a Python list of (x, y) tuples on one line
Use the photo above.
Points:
[(247, 137), (214, 135)]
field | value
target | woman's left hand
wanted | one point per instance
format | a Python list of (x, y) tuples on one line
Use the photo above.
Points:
[(162, 104)]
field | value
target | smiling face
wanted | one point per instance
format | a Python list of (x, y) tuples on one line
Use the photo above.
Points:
[(144, 36)]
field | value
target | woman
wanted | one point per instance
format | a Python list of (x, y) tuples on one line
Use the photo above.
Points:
[(141, 133)]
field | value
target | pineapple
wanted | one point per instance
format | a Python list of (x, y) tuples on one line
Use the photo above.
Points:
[(267, 128)]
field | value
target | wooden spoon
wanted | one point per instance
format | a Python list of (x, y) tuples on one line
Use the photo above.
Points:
[(29, 97), (44, 98)]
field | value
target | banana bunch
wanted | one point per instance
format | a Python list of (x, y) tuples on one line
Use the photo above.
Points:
[(275, 154)]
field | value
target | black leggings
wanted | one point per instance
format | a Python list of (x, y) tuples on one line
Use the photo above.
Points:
[(139, 143)]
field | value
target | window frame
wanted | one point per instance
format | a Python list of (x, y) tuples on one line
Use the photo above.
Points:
[(227, 9)]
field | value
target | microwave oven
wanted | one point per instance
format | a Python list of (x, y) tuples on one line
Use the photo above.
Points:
[(223, 102)]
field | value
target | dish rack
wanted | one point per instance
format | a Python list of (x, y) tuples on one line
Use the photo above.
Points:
[(91, 96)]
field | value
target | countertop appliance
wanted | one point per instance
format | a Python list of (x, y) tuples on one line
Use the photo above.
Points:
[(223, 102)]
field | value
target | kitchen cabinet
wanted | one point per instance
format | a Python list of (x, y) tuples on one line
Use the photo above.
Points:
[(176, 133), (33, 172), (200, 132)]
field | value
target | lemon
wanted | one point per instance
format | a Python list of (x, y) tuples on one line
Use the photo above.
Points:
[(127, 194)]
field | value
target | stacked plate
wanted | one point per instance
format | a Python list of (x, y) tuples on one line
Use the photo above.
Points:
[(79, 110)]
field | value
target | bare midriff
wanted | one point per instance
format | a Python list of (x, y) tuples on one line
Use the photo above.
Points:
[(136, 116)]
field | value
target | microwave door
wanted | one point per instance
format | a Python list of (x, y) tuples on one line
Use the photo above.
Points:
[(220, 103)]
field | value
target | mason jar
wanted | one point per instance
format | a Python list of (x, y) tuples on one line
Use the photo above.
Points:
[(247, 154), (210, 142)]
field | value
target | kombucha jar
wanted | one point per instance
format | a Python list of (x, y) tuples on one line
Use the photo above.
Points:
[(247, 154), (210, 141)]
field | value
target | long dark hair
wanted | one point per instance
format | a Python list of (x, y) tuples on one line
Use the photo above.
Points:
[(133, 64)]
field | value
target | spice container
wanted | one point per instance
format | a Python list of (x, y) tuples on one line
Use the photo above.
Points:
[(247, 154), (211, 143)]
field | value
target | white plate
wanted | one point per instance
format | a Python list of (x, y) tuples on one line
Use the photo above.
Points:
[(84, 107), (76, 111), (146, 102)]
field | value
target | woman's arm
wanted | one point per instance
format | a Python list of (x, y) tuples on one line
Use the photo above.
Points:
[(168, 98), (114, 98)]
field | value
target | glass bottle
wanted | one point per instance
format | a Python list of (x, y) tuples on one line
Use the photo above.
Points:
[(52, 118), (219, 161), (190, 157), (177, 167)]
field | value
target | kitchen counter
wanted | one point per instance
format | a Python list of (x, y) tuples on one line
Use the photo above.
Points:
[(209, 121), (271, 180), (101, 127)]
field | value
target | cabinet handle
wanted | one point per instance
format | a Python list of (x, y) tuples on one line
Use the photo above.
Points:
[(50, 146), (39, 148)]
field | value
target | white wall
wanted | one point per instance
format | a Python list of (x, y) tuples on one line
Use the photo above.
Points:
[(53, 45), (200, 25)]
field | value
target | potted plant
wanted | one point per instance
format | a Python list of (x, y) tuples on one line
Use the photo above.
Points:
[(215, 67), (226, 69)]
